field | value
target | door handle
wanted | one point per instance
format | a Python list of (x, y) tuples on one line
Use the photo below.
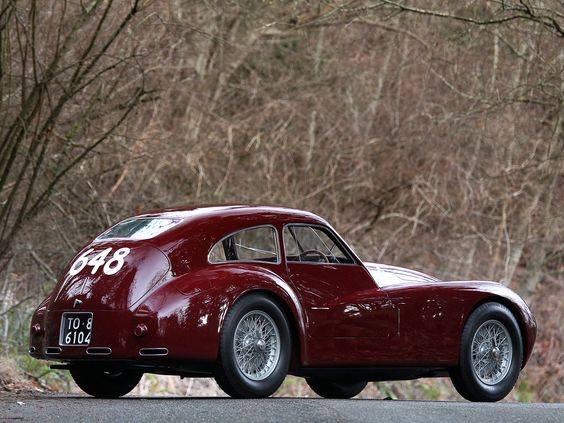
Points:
[(387, 304)]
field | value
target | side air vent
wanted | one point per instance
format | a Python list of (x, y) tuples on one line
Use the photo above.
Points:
[(153, 351), (99, 351)]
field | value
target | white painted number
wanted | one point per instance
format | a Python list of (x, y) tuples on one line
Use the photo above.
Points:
[(119, 255), (80, 263), (99, 260), (111, 267)]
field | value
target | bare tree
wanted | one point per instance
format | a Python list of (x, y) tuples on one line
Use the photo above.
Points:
[(548, 14), (68, 80)]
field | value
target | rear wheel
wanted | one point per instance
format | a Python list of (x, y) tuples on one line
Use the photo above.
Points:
[(491, 354), (255, 348), (104, 383), (331, 389)]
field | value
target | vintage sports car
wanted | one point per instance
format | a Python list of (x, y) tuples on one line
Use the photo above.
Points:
[(249, 294)]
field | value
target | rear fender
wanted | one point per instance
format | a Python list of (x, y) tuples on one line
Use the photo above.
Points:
[(191, 308)]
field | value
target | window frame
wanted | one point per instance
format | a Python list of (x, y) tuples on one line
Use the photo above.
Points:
[(276, 244), (332, 235)]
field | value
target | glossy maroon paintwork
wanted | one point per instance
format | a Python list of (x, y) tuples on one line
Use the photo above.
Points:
[(341, 316)]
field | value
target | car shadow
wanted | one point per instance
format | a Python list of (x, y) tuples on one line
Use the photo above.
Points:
[(177, 398)]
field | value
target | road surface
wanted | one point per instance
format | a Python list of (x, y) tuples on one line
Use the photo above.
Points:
[(140, 409)]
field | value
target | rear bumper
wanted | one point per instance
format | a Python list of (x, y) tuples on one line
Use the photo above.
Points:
[(116, 335)]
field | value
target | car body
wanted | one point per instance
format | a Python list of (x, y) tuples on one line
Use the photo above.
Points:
[(163, 309)]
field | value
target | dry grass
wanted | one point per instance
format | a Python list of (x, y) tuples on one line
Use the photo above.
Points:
[(13, 379)]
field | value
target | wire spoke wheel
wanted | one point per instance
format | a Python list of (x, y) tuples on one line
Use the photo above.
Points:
[(492, 352), (256, 345)]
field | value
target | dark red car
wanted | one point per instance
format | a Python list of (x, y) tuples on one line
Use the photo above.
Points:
[(249, 294)]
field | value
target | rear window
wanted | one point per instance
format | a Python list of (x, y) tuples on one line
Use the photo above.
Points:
[(140, 228)]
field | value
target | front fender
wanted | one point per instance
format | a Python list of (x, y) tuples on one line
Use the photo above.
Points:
[(495, 291), (475, 293)]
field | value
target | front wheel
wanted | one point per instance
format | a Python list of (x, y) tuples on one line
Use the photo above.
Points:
[(491, 354), (331, 389), (104, 383), (255, 348)]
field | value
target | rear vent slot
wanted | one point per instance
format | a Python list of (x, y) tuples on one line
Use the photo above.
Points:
[(99, 351), (153, 351), (52, 350)]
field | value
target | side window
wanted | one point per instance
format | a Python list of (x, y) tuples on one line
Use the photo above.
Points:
[(255, 244), (217, 253), (313, 244), (290, 245)]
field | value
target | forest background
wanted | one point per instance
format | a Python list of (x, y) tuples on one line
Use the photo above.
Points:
[(430, 133)]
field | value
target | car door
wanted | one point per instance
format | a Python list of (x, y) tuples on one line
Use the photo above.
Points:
[(349, 319)]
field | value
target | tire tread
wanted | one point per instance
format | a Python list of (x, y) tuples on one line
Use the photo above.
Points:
[(463, 378)]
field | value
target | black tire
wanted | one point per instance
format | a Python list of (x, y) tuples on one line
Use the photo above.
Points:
[(331, 389), (105, 384), (464, 378), (229, 376)]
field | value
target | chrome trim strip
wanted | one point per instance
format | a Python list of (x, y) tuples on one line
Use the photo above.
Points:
[(322, 263), (99, 351), (399, 320), (153, 352)]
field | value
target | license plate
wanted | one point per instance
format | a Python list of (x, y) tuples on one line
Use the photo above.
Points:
[(76, 329)]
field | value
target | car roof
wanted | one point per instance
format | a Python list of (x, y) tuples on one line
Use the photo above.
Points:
[(207, 224), (210, 212)]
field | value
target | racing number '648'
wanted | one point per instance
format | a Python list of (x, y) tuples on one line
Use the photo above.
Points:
[(110, 267)]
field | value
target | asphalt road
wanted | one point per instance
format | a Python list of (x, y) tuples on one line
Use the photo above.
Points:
[(140, 409)]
